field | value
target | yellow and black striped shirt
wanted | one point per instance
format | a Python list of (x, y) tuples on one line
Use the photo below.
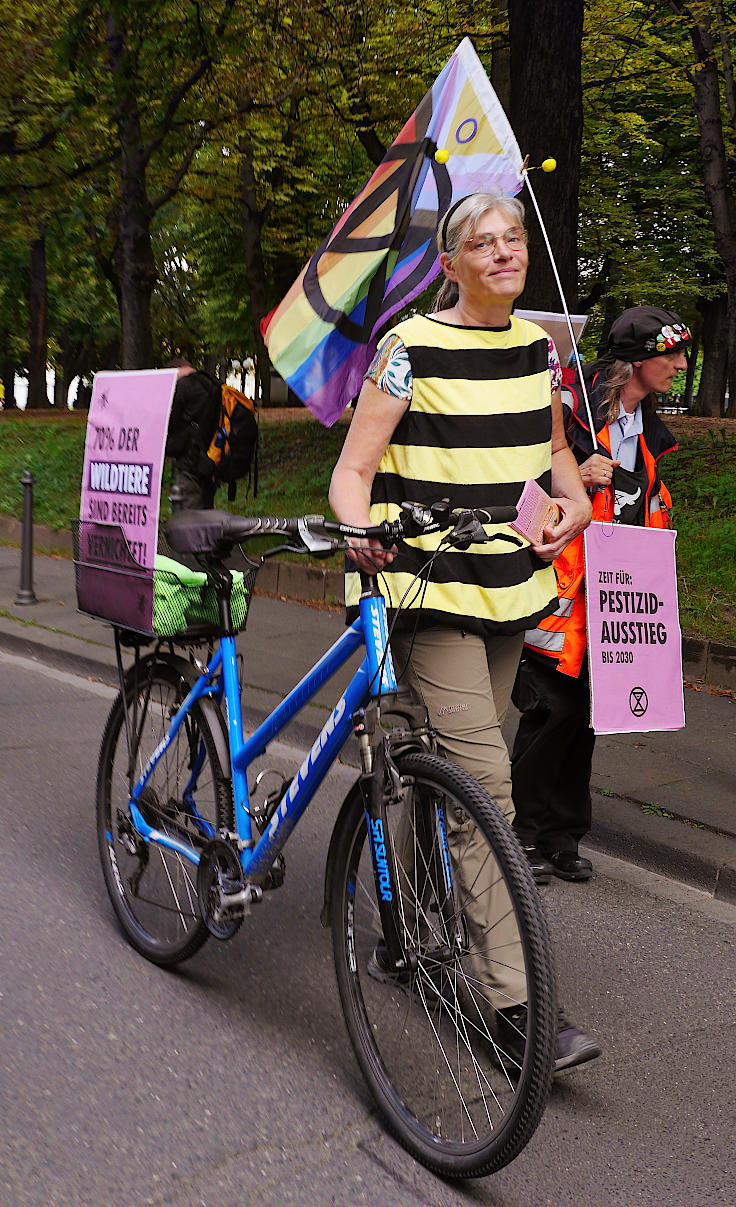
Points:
[(478, 426)]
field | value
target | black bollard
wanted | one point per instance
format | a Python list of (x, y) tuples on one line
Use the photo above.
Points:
[(26, 594)]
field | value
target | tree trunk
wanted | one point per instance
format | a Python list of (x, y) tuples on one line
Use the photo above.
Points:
[(7, 374), (134, 260), (72, 363), (611, 311), (136, 268), (252, 223), (718, 186), (547, 119), (690, 375), (38, 307), (714, 375), (501, 53), (84, 395)]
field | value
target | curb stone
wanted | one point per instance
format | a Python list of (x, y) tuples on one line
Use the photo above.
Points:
[(707, 860), (44, 539)]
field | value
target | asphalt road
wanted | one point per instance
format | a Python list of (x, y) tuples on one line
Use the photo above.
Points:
[(232, 1081)]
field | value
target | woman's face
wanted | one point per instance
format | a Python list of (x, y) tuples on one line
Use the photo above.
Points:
[(492, 264), (656, 374)]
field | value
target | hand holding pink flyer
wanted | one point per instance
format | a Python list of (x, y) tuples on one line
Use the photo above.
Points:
[(535, 510)]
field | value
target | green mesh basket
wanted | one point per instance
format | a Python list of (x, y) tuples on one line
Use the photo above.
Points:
[(183, 598)]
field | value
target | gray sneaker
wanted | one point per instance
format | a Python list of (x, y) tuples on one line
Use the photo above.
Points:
[(574, 1047)]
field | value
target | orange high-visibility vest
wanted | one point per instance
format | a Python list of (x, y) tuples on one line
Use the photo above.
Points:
[(563, 635)]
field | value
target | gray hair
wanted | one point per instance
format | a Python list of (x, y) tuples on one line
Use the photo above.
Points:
[(458, 226)]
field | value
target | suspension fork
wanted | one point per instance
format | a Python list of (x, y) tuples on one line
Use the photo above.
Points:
[(431, 868), (376, 802)]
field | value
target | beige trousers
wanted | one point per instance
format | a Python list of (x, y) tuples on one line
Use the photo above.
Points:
[(465, 682)]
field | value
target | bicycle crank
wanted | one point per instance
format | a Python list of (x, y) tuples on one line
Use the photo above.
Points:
[(220, 889)]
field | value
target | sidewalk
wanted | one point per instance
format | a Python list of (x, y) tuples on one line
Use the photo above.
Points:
[(661, 800)]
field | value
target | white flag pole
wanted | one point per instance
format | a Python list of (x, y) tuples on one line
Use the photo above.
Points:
[(566, 312)]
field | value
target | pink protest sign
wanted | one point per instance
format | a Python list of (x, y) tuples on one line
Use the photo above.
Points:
[(121, 487), (634, 641)]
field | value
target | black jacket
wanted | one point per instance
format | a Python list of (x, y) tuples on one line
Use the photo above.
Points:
[(194, 414)]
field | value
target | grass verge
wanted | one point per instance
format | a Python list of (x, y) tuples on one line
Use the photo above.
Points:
[(296, 460), (702, 481)]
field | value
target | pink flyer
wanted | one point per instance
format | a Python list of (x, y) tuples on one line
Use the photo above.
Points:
[(121, 488), (535, 509), (634, 639)]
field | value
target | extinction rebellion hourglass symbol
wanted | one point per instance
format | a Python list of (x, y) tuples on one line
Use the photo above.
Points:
[(638, 701)]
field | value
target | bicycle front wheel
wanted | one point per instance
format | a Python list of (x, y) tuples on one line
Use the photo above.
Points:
[(458, 1048), (153, 889)]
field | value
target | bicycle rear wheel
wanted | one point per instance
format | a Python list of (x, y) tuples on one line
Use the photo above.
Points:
[(188, 798), (430, 1041)]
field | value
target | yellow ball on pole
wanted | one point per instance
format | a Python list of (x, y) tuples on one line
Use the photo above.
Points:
[(549, 165), (442, 155)]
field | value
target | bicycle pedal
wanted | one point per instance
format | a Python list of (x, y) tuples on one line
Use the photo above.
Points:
[(230, 885), (276, 874)]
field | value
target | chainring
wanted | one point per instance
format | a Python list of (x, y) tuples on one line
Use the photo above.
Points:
[(219, 874)]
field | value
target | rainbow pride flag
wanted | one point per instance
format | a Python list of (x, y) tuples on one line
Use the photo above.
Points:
[(382, 252)]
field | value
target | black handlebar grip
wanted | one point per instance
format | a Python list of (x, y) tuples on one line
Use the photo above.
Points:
[(502, 515)]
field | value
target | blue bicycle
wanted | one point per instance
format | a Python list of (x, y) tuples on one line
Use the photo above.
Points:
[(188, 853)]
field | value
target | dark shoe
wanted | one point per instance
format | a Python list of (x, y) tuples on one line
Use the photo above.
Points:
[(429, 987), (509, 1033), (540, 865), (574, 1047), (568, 865), (381, 968)]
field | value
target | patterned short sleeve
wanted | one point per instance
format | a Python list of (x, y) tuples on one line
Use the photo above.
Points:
[(390, 368), (555, 371)]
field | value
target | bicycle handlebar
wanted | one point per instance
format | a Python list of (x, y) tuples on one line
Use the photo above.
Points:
[(212, 531)]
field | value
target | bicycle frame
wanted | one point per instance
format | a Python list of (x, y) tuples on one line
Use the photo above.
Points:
[(375, 677)]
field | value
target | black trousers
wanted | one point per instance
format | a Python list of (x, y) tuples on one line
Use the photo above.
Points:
[(197, 493), (552, 758)]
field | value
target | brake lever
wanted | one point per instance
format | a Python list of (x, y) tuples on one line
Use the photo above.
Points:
[(315, 542), (469, 531)]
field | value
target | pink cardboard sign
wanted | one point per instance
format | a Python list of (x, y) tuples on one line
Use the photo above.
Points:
[(121, 487), (634, 640)]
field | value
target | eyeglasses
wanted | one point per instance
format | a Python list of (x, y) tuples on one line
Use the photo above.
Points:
[(485, 245)]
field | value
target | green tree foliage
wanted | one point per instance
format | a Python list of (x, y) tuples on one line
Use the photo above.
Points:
[(647, 231), (182, 160), (34, 102)]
